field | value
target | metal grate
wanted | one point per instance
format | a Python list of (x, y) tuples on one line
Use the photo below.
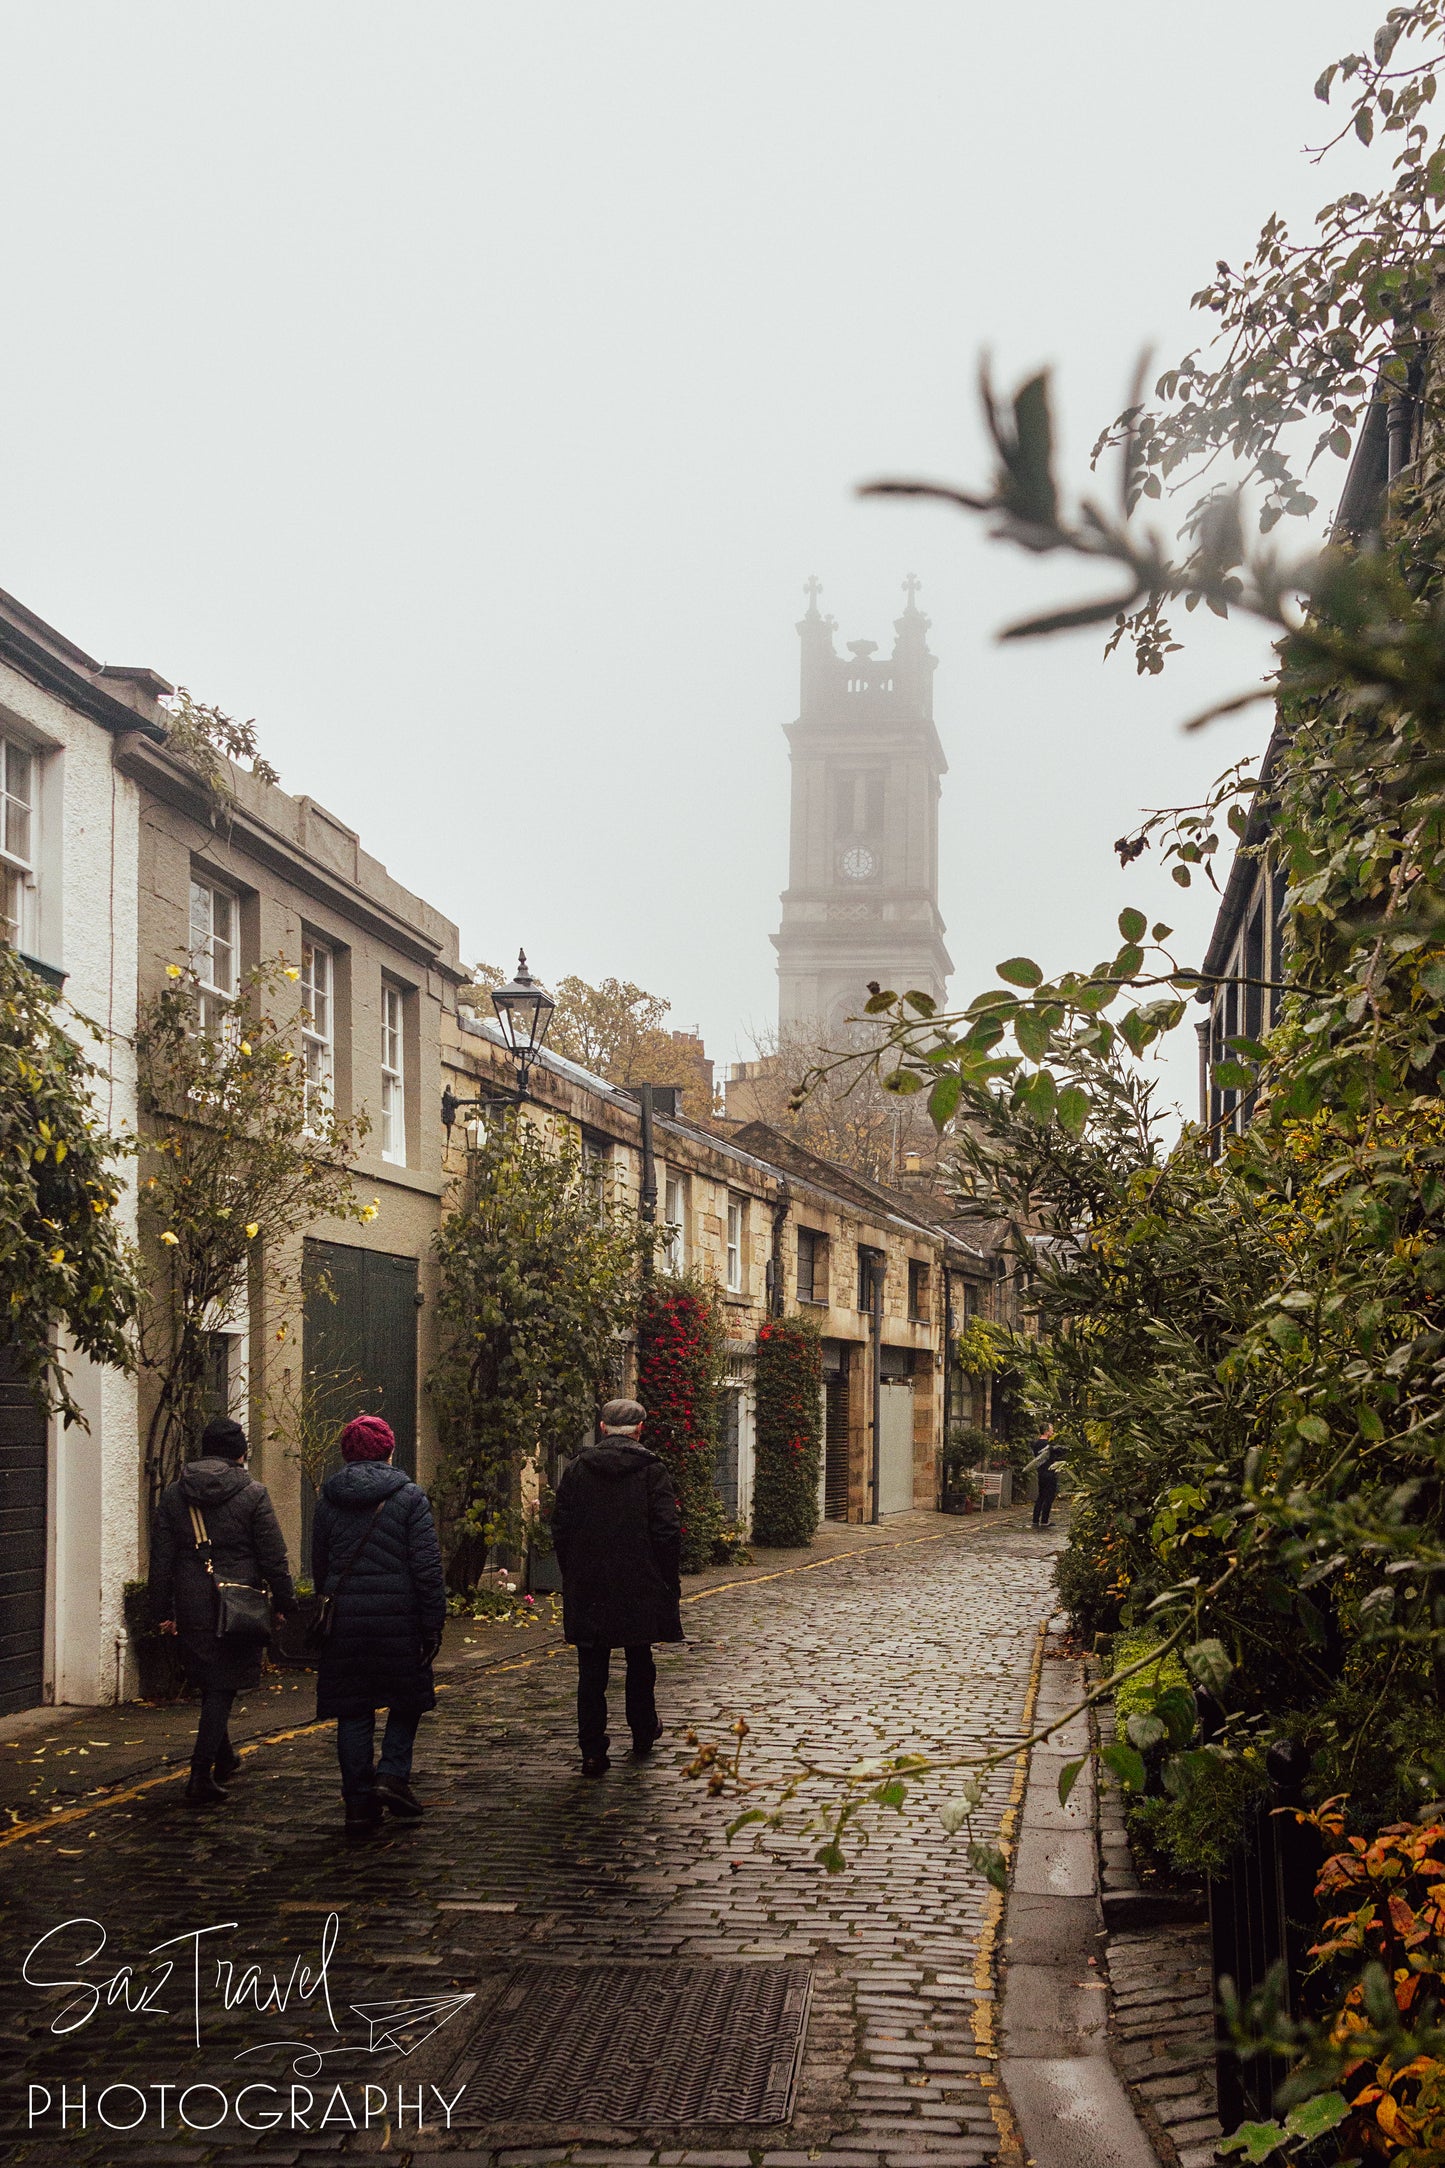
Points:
[(638, 2045)]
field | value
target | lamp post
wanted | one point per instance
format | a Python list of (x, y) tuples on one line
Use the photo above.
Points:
[(524, 1010)]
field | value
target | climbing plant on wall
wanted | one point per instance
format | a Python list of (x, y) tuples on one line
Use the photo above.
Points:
[(679, 1363), (788, 1459)]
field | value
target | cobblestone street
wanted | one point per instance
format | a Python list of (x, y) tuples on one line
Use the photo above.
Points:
[(926, 1643)]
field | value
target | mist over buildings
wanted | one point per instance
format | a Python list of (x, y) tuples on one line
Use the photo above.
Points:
[(467, 394)]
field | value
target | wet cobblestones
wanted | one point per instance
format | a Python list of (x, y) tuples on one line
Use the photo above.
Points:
[(926, 1645)]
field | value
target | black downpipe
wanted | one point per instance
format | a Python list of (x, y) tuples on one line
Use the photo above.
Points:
[(647, 1200)]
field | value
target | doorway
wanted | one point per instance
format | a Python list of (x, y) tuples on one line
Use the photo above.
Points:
[(359, 1312), (23, 1502), (895, 1446)]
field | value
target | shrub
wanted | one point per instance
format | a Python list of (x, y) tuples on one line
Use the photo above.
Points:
[(679, 1351), (789, 1450)]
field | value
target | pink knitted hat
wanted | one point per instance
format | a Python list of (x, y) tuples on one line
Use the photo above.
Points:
[(367, 1437)]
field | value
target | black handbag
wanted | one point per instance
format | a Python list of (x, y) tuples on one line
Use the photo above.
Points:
[(243, 1613), (319, 1632)]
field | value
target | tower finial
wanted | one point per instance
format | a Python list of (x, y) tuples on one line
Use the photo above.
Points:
[(812, 588), (910, 588)]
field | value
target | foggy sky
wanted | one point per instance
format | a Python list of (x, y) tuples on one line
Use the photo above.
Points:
[(466, 391)]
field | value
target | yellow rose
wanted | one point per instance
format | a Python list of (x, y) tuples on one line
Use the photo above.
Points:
[(170, 1239), (57, 1257), (245, 1046), (292, 972), (173, 971), (253, 1228)]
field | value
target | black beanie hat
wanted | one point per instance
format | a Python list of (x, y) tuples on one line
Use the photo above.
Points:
[(223, 1440)]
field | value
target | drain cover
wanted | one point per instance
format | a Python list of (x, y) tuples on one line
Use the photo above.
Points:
[(638, 2045)]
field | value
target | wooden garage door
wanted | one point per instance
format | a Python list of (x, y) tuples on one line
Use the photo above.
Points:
[(23, 1482), (360, 1345)]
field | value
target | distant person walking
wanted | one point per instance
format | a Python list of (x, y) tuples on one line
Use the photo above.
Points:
[(1046, 1464), (618, 1536), (215, 1540), (378, 1570)]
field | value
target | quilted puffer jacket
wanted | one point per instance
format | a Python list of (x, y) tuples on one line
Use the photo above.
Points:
[(246, 1545), (391, 1601)]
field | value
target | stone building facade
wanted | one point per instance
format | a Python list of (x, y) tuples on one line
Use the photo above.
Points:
[(69, 842), (776, 1229), (345, 1321)]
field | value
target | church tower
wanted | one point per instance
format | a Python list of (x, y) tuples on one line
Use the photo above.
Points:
[(862, 895)]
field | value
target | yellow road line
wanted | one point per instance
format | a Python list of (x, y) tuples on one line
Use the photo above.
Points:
[(66, 1815)]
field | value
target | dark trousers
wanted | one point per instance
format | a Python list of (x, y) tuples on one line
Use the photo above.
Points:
[(211, 1732), (593, 1664), (356, 1742), (1044, 1503)]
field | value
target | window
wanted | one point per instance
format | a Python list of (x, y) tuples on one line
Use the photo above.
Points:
[(870, 1277), (918, 1286), (17, 842), (213, 950), (674, 1212), (317, 1043), (393, 1088), (737, 1227), (812, 1266)]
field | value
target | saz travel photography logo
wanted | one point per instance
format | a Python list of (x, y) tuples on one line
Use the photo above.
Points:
[(193, 1979)]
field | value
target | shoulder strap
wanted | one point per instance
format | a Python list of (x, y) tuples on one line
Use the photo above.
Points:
[(370, 1528), (202, 1536)]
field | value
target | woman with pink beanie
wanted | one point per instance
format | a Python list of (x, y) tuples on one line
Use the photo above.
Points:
[(374, 1553)]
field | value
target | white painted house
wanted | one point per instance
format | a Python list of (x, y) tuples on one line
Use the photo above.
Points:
[(69, 826)]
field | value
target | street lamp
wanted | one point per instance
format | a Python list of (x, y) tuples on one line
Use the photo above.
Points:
[(524, 1011)]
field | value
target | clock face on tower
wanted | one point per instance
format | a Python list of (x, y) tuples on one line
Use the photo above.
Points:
[(858, 863)]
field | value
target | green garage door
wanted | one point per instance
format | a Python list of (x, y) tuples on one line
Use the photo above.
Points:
[(23, 1482), (360, 1344)]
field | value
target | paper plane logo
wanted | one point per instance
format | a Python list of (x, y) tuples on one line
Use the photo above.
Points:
[(399, 2027)]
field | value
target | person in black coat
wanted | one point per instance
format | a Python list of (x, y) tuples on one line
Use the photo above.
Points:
[(246, 1544), (1046, 1464), (374, 1551), (618, 1537)]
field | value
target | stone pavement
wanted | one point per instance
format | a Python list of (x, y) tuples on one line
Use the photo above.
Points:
[(1161, 1979), (908, 1640)]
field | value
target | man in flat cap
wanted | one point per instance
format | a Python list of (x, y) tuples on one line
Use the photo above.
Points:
[(618, 1537)]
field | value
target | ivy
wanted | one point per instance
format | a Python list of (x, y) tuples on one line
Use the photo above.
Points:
[(539, 1283), (63, 1254), (679, 1371), (789, 1451)]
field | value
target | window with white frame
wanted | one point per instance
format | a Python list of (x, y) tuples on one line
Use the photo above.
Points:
[(674, 1213), (213, 950), (393, 1088), (17, 843), (737, 1228), (317, 1023)]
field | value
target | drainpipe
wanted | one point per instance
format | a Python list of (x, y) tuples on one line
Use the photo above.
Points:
[(781, 1207), (647, 1199), (1398, 417), (947, 1369), (876, 1335)]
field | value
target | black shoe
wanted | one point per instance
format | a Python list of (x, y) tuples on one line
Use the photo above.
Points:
[(595, 1765), (396, 1793), (641, 1748), (204, 1791), (228, 1763), (363, 1816)]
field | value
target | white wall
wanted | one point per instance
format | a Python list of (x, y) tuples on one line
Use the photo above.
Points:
[(88, 860)]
